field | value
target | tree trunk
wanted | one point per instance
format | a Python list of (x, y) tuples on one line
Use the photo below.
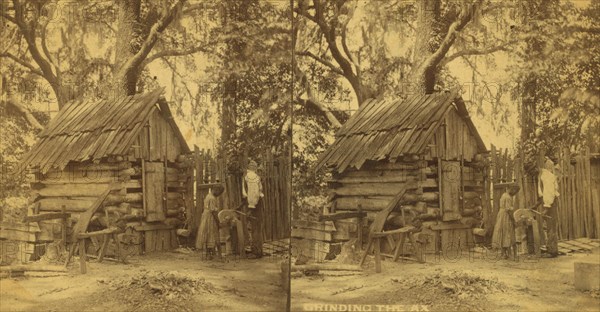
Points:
[(423, 80), (528, 108), (127, 45), (235, 12)]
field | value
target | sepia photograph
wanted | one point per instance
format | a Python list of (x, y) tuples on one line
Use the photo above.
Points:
[(299, 155)]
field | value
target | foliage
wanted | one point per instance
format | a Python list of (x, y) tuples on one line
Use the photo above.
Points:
[(563, 63), (254, 78)]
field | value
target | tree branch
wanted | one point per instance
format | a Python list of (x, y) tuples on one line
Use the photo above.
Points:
[(137, 59), (463, 19), (329, 65), (24, 111), (174, 69), (467, 52), (45, 46), (29, 35), (172, 52), (23, 63), (313, 101)]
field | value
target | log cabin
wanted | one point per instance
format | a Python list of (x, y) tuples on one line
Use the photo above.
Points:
[(129, 144), (426, 143)]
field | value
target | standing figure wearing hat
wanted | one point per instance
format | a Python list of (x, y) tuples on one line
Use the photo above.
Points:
[(252, 192), (504, 230), (208, 236), (548, 191)]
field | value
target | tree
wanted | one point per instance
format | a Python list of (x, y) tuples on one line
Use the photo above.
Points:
[(438, 31), (140, 32), (255, 77), (558, 78)]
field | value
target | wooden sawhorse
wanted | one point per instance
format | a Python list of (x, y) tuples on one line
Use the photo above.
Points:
[(404, 233), (107, 235)]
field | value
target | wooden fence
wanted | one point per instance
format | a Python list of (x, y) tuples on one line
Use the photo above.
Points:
[(579, 185), (275, 173), (579, 202)]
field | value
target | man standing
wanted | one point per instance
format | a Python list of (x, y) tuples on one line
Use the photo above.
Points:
[(548, 191), (252, 192)]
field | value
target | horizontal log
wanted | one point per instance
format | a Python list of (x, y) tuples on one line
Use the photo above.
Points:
[(368, 189), (342, 215), (374, 179), (175, 203), (427, 216), (428, 183), (471, 195), (174, 196), (116, 209), (174, 212), (46, 216), (325, 267), (134, 171), (110, 230), (179, 184), (369, 203), (80, 180), (425, 197), (386, 165), (71, 205), (81, 189), (377, 173), (416, 209), (377, 203), (169, 171), (175, 178), (94, 167), (131, 217), (127, 198), (468, 212)]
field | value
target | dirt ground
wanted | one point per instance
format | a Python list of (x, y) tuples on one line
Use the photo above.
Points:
[(470, 282), (167, 281)]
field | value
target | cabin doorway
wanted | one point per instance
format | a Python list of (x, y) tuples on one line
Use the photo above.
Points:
[(450, 190), (154, 182)]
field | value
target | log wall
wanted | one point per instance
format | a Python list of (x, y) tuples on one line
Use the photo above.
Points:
[(76, 188)]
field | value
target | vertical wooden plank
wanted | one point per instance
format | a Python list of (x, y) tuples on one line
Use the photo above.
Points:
[(149, 244), (450, 181), (377, 255), (155, 187), (144, 190), (197, 212), (82, 256), (174, 240)]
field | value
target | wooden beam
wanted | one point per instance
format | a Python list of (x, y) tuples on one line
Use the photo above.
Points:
[(342, 215), (110, 230), (46, 216), (325, 267)]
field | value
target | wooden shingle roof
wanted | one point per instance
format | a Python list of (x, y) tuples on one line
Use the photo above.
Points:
[(91, 130), (390, 128)]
